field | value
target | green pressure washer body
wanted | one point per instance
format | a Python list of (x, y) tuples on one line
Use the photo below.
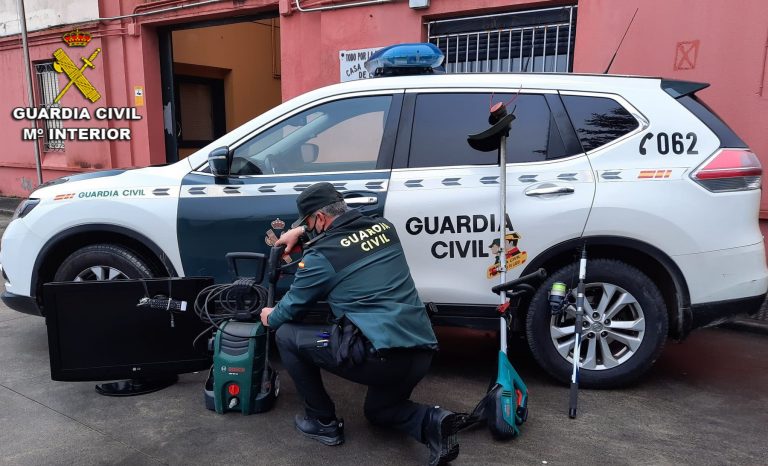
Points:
[(242, 381), (241, 378)]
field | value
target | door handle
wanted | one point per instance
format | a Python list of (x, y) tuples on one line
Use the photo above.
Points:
[(363, 200), (549, 190)]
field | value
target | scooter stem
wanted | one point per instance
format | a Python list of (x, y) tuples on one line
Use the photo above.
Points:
[(503, 234)]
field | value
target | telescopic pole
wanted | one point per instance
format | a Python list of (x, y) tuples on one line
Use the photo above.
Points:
[(503, 234)]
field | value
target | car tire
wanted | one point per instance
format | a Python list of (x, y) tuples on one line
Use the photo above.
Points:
[(103, 262), (613, 354)]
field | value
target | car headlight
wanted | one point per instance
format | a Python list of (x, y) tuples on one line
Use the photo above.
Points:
[(24, 208)]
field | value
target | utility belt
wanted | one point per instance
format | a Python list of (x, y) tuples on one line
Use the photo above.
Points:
[(350, 347), (348, 344)]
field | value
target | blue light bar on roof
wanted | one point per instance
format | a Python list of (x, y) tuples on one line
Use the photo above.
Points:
[(405, 59)]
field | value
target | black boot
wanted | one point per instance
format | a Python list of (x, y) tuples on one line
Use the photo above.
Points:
[(328, 434), (441, 437)]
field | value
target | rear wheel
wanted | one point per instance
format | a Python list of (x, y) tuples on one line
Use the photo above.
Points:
[(623, 332), (103, 262)]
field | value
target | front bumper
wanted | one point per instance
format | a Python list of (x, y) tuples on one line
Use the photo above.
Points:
[(24, 304)]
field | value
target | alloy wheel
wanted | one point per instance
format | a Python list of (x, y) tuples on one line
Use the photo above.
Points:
[(612, 330), (100, 272)]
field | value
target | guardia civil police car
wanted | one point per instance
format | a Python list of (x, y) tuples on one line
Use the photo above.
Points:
[(665, 195)]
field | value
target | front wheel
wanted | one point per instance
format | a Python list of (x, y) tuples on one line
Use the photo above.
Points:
[(623, 332), (102, 262)]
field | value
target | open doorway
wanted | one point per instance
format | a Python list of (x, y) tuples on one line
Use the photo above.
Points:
[(217, 76)]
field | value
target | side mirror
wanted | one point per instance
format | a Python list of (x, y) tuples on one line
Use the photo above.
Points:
[(309, 153), (219, 160)]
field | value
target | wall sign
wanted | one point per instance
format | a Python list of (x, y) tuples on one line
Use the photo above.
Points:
[(351, 63)]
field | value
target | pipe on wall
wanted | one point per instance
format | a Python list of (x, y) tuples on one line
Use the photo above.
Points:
[(161, 10), (339, 6)]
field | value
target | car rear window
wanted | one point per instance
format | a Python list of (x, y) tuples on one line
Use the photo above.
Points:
[(442, 123), (728, 138), (598, 120)]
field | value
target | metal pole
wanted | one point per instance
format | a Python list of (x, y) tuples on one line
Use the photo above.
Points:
[(503, 233), (30, 94)]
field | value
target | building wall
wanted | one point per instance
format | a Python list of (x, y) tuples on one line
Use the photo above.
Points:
[(42, 14), (311, 41)]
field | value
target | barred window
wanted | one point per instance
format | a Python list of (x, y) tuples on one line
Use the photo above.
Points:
[(48, 81), (537, 41)]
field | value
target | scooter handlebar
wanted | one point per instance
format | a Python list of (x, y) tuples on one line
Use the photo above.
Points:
[(534, 277)]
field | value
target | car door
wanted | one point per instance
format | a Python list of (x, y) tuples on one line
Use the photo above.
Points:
[(443, 195), (345, 140)]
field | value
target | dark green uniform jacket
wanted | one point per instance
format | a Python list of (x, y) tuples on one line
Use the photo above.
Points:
[(359, 267)]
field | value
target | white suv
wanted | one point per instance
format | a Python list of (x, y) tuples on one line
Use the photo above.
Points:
[(664, 194)]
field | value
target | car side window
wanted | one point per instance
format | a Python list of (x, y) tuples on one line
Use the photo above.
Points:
[(598, 120), (343, 135), (442, 123)]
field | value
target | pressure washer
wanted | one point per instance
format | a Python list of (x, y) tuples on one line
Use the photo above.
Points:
[(241, 378)]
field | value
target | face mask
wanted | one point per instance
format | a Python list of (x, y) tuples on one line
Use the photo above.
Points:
[(312, 234)]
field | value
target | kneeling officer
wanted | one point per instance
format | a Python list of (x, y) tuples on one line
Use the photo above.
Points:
[(384, 338)]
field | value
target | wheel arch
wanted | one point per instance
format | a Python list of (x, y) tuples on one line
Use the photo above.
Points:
[(656, 264), (64, 243)]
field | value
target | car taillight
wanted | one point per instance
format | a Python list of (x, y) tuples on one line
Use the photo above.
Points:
[(729, 170)]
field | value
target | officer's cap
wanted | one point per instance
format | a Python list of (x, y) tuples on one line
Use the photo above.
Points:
[(314, 198)]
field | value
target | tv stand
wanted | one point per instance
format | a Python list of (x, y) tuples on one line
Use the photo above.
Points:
[(134, 387)]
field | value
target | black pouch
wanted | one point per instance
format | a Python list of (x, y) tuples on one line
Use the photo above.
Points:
[(347, 343)]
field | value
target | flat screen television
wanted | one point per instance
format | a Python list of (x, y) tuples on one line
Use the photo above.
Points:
[(97, 332)]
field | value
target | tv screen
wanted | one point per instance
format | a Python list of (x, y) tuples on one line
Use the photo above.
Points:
[(97, 332)]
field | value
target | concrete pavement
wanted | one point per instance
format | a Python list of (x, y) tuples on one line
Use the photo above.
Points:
[(8, 205), (704, 402)]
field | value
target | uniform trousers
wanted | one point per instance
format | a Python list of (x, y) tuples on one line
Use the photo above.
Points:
[(390, 376)]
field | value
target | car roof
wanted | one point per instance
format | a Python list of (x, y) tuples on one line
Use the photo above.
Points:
[(561, 81)]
